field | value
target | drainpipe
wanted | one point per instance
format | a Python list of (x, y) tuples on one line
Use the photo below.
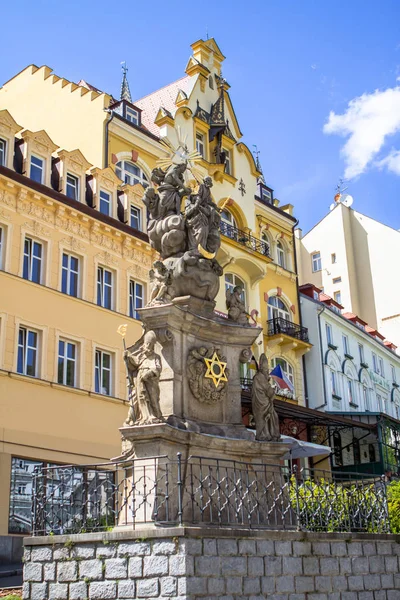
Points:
[(322, 356), (111, 113)]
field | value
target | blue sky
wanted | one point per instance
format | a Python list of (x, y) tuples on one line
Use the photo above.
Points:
[(290, 63)]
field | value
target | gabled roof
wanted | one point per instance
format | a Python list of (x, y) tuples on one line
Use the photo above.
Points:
[(163, 98)]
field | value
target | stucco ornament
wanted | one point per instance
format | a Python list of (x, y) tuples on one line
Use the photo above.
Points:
[(236, 307), (207, 374), (262, 399), (144, 368), (187, 241)]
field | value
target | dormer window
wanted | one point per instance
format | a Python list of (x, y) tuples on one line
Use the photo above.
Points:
[(72, 187), (132, 115), (105, 203), (3, 147), (266, 195), (136, 218), (36, 172)]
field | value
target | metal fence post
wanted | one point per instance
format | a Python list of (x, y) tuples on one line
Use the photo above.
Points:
[(297, 498), (180, 489)]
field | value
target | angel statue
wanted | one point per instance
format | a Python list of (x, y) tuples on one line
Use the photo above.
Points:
[(144, 368), (262, 399), (235, 305), (160, 280)]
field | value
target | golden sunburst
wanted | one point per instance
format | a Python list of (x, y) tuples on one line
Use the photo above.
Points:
[(180, 153)]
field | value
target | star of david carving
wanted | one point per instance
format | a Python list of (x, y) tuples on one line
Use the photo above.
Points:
[(215, 369)]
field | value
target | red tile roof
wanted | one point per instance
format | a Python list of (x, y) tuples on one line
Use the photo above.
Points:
[(164, 97)]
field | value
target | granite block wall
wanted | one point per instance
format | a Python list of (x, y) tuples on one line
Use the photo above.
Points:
[(199, 564)]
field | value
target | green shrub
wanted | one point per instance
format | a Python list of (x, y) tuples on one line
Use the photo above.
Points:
[(393, 493)]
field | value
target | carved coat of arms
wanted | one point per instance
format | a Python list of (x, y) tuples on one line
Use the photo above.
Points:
[(207, 374)]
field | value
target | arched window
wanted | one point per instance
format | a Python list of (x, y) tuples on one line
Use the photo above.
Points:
[(228, 224), (277, 309), (130, 173), (280, 255), (337, 448), (285, 366), (231, 281)]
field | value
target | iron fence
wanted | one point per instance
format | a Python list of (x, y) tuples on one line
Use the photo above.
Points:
[(244, 238), (199, 490)]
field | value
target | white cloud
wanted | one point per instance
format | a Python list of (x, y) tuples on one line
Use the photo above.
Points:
[(368, 120), (391, 162)]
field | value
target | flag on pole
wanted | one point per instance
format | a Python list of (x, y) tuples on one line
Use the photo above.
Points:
[(281, 378)]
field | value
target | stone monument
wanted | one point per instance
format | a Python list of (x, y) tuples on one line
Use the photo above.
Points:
[(184, 372)]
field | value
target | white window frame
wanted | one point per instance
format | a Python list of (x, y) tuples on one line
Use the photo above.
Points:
[(228, 161), (277, 312), (133, 297), (132, 115), (375, 363), (361, 353), (31, 258), (266, 195), (69, 272), (3, 152), (287, 368), (108, 202), (334, 383), (200, 144), (337, 296), (393, 371), (316, 262), (231, 280), (351, 392), (346, 347), (100, 281), (26, 348), (329, 334), (381, 366), (366, 398), (43, 167), (139, 215), (379, 402), (66, 360), (98, 371), (280, 255), (127, 177), (76, 186)]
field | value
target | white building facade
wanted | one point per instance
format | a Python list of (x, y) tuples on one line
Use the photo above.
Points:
[(353, 258), (352, 373)]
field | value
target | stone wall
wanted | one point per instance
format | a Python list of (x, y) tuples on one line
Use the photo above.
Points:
[(194, 564)]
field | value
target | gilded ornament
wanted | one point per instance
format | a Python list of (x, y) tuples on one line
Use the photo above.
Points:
[(207, 374)]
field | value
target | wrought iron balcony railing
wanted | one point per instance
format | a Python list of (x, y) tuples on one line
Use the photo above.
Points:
[(244, 238), (280, 325)]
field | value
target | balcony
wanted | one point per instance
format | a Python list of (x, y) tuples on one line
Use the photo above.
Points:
[(245, 239), (290, 336)]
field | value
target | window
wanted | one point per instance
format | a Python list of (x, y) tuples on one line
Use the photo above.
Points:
[(350, 392), (104, 287), (228, 165), (33, 254), (70, 275), (228, 224), (366, 398), (356, 451), (393, 370), (315, 295), (66, 363), (37, 169), (136, 218), (277, 309), (375, 362), (381, 367), (337, 296), (361, 353), (266, 195), (102, 381), (211, 82), (345, 340), (231, 281), (132, 115), (105, 203), (379, 402), (136, 296), (200, 144), (334, 384), (333, 258), (329, 337), (3, 148), (280, 255), (72, 187), (337, 448), (27, 352), (286, 368), (130, 173), (337, 280), (19, 520), (316, 262)]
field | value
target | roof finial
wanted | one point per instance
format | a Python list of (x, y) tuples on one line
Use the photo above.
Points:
[(125, 91), (256, 153)]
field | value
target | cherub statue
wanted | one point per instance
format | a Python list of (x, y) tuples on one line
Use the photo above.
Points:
[(160, 280), (173, 189), (262, 399), (203, 219), (235, 305), (144, 369)]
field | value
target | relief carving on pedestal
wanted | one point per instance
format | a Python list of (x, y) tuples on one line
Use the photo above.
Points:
[(207, 374)]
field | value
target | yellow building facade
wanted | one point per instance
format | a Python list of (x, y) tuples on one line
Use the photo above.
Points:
[(75, 255)]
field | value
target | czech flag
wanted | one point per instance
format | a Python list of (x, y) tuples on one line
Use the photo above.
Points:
[(281, 379)]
